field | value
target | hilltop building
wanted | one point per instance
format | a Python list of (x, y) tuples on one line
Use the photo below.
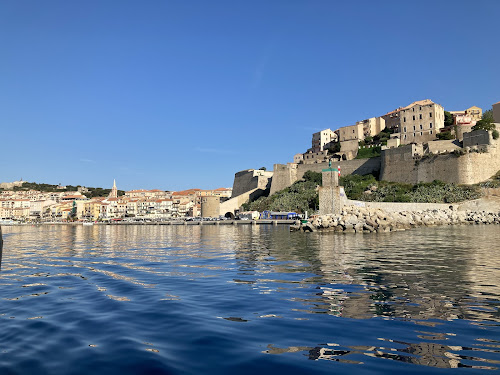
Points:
[(362, 129), (323, 139), (475, 113), (418, 122), (392, 119), (496, 112), (351, 133)]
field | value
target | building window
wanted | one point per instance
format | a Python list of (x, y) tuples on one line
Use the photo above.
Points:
[(421, 127), (431, 131), (404, 129), (405, 136), (420, 116), (420, 133), (430, 125), (413, 118), (404, 119), (430, 114), (414, 128)]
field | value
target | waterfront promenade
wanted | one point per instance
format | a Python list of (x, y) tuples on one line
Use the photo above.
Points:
[(181, 222)]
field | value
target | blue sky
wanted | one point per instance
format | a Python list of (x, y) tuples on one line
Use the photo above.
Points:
[(178, 94)]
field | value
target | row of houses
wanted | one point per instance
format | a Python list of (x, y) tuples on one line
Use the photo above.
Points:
[(148, 204)]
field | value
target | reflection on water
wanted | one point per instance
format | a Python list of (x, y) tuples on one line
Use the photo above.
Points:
[(250, 291)]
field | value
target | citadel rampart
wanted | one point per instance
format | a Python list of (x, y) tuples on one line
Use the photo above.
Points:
[(478, 161), (286, 175), (251, 179)]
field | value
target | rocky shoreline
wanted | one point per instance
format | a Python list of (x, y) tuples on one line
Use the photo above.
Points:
[(355, 219)]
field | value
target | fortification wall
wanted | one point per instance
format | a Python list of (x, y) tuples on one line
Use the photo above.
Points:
[(210, 207), (398, 165), (250, 179), (286, 175)]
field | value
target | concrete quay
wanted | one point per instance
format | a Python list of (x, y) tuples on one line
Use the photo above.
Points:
[(215, 222)]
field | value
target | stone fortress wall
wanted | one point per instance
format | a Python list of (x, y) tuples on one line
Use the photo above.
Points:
[(286, 175), (477, 161), (251, 179)]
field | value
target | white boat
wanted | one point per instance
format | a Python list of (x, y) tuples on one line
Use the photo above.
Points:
[(88, 223)]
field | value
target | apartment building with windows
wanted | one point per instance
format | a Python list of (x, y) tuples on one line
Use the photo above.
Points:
[(322, 140), (392, 120), (352, 132), (372, 126), (420, 121)]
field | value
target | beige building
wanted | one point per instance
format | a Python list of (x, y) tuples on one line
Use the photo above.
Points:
[(315, 157), (391, 119), (420, 121), (321, 140), (470, 115), (372, 126), (353, 132), (475, 113), (496, 112)]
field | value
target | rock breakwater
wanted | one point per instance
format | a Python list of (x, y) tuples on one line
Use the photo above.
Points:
[(355, 219)]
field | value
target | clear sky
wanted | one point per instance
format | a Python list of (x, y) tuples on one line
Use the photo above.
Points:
[(177, 94)]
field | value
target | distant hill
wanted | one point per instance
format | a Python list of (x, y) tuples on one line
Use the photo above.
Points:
[(90, 193)]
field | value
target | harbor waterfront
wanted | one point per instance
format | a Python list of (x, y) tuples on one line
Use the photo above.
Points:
[(192, 299)]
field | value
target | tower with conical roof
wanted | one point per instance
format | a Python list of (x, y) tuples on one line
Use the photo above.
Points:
[(114, 191)]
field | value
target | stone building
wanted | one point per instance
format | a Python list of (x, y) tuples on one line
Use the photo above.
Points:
[(475, 113), (420, 121), (210, 206), (322, 140), (372, 126), (464, 124), (496, 112), (392, 119), (352, 132)]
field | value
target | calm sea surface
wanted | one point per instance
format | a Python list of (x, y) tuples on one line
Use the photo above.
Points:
[(248, 300)]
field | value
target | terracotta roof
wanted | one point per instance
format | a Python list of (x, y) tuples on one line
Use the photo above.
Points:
[(419, 102)]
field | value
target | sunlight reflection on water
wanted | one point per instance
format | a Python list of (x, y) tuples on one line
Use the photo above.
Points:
[(263, 297)]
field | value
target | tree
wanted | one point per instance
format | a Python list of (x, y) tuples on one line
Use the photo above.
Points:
[(448, 119), (334, 148), (445, 135), (486, 122), (315, 177)]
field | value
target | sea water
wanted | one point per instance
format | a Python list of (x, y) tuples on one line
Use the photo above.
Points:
[(248, 300)]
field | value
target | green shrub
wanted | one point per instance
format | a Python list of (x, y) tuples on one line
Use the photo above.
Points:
[(445, 135), (495, 134), (369, 152)]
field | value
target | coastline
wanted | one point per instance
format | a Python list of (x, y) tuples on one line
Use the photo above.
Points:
[(355, 219)]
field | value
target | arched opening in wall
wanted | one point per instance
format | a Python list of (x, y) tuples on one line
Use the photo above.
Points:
[(229, 215)]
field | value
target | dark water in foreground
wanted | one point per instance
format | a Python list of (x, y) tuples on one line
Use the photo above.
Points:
[(248, 300)]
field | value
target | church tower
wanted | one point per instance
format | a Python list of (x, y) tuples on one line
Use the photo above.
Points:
[(114, 191)]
